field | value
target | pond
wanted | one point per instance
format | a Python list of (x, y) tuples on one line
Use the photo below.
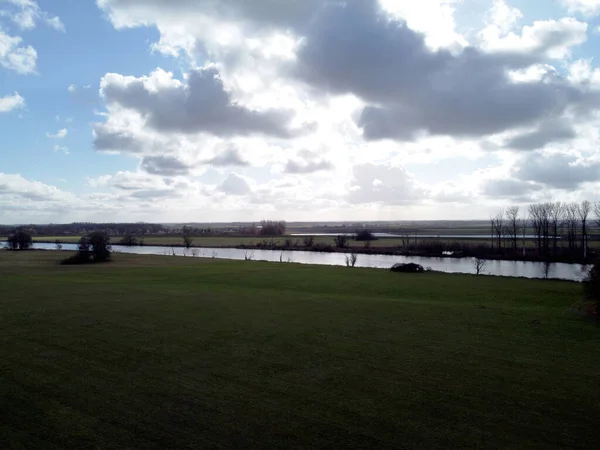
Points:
[(574, 272)]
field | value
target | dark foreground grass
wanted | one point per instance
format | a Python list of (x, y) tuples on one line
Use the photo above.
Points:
[(163, 352)]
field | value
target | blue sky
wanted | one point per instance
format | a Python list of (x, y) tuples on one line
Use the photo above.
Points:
[(171, 111)]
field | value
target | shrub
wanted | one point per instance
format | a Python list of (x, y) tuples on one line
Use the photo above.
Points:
[(130, 240), (407, 268), (341, 241), (272, 227), (20, 240), (322, 247), (94, 247), (308, 241), (365, 235)]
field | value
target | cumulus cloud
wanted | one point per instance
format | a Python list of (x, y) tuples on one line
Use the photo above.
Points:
[(411, 89), (14, 188), (10, 102), (200, 104), (307, 162), (14, 55), (164, 165), (230, 157), (558, 170), (586, 7), (235, 184), (60, 134), (508, 188), (387, 184), (546, 133)]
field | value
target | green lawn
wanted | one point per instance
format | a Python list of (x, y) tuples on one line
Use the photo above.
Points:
[(165, 352)]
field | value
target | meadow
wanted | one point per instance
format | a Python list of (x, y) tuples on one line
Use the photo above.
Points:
[(167, 352)]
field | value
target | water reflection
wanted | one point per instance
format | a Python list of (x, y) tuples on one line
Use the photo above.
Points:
[(525, 269)]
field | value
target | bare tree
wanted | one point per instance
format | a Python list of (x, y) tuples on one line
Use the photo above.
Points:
[(512, 214), (556, 216), (571, 211), (497, 228), (351, 259), (479, 265), (583, 211), (187, 236)]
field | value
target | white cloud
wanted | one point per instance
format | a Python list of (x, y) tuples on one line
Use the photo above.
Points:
[(60, 134), (586, 7), (26, 14), (384, 95), (16, 56), (72, 88), (10, 102), (62, 149)]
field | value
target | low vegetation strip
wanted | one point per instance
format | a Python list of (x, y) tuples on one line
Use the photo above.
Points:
[(158, 352)]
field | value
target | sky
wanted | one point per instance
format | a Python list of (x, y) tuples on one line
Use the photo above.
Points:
[(301, 110)]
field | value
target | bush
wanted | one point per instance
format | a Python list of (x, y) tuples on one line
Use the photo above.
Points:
[(130, 240), (407, 268), (20, 240), (591, 286), (308, 241), (365, 235), (341, 241), (76, 259), (95, 247), (272, 228)]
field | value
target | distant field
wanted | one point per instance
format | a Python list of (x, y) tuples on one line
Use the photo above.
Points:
[(232, 241), (157, 352)]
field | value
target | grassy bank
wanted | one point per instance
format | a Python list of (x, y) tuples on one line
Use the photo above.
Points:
[(157, 352)]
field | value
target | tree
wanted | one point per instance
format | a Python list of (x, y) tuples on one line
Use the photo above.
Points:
[(479, 265), (512, 214), (58, 244), (571, 211), (130, 239), (20, 240), (583, 210), (272, 227), (341, 241), (365, 235), (308, 241), (351, 259), (187, 236), (99, 245), (556, 216)]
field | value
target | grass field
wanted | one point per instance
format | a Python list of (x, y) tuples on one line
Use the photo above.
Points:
[(164, 352)]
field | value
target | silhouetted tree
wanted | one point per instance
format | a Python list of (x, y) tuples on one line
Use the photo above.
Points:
[(187, 236), (273, 227), (20, 240), (365, 235), (341, 241)]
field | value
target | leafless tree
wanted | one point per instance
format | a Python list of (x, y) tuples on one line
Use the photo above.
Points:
[(597, 213), (583, 211), (187, 236), (512, 215), (497, 224), (556, 216), (479, 265), (571, 222), (351, 259)]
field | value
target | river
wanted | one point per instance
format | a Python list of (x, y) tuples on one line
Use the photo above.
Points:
[(574, 272)]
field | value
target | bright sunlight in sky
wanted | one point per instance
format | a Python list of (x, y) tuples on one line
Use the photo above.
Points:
[(235, 110)]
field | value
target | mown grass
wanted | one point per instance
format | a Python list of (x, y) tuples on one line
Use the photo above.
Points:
[(166, 352)]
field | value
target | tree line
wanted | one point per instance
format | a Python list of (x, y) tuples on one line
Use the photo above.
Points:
[(557, 228)]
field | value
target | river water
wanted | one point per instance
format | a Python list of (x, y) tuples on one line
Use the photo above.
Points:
[(574, 272)]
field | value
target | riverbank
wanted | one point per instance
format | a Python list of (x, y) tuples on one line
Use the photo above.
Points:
[(430, 248)]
